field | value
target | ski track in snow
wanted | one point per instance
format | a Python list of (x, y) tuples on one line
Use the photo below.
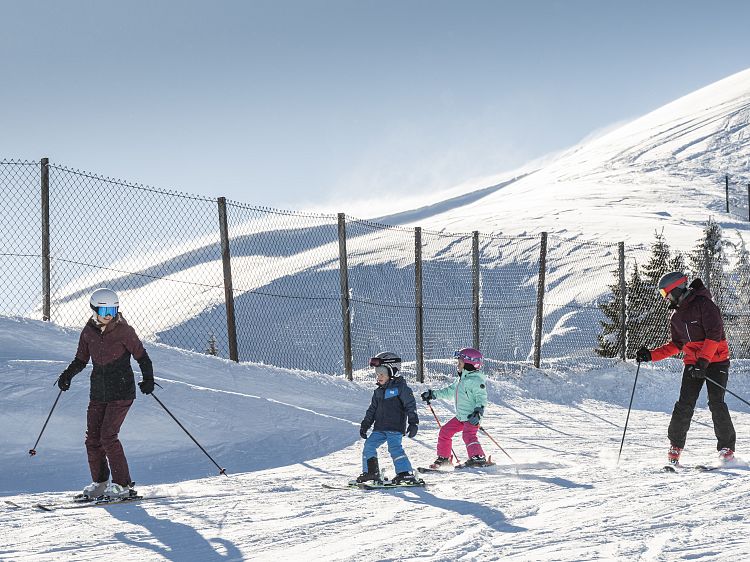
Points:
[(570, 505), (282, 434)]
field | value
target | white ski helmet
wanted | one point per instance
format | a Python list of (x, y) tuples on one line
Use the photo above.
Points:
[(105, 302)]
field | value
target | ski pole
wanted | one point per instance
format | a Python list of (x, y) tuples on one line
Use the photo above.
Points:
[(440, 425), (727, 390), (221, 470), (628, 416), (32, 451), (499, 447)]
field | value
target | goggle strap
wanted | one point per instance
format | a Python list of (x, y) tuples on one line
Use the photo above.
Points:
[(671, 287)]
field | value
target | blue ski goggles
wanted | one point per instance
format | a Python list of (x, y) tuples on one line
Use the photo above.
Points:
[(105, 311)]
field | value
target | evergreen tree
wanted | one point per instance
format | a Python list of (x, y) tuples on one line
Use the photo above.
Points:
[(737, 326), (639, 305), (212, 349), (677, 263), (712, 247), (655, 327), (611, 336)]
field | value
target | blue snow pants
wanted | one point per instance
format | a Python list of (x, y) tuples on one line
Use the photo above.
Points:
[(376, 439)]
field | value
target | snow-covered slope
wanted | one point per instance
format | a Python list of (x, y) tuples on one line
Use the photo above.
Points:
[(664, 169), (282, 434)]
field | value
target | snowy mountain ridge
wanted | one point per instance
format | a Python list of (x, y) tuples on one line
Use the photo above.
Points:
[(671, 160)]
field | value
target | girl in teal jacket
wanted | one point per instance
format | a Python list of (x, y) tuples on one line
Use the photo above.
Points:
[(469, 391)]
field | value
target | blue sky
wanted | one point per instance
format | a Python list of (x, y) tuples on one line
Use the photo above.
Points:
[(295, 104)]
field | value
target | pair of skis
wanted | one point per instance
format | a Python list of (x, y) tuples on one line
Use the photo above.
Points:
[(699, 467), (353, 484), (78, 502), (459, 466)]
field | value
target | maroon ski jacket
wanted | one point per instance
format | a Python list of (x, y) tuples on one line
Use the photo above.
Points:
[(697, 329), (110, 350)]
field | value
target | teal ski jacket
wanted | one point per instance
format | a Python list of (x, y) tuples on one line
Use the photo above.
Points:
[(469, 391)]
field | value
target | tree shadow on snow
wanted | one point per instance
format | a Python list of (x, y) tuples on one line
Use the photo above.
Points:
[(491, 517), (171, 540)]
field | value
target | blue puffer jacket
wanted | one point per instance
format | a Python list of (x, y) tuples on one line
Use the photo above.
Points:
[(391, 407)]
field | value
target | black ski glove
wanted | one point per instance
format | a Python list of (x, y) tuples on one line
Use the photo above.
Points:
[(428, 395), (411, 431), (363, 431), (643, 355), (146, 386), (698, 371), (63, 381), (476, 415)]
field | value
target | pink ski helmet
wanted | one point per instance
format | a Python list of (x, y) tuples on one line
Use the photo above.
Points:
[(470, 356)]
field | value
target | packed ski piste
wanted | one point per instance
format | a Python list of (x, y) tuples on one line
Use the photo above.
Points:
[(588, 478)]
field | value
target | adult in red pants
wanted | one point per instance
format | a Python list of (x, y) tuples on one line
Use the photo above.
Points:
[(697, 330), (109, 342)]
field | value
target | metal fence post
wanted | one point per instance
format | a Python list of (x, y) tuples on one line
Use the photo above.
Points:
[(418, 310), (540, 301), (623, 297), (726, 188), (748, 201), (228, 289), (46, 266), (475, 285), (345, 310)]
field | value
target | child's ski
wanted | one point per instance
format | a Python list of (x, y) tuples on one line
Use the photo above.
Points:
[(427, 469), (389, 486), (485, 464), (372, 486), (699, 467)]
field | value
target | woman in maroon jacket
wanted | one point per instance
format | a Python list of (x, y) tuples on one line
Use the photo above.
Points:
[(697, 330), (109, 342)]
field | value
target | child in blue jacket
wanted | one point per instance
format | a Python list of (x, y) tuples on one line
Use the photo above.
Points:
[(392, 406)]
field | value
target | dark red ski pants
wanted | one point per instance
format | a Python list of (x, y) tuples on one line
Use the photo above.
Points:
[(103, 421)]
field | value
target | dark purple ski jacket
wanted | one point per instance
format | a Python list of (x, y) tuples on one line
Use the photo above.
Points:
[(110, 350)]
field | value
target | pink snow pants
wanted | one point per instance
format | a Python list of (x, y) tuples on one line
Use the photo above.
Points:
[(445, 438)]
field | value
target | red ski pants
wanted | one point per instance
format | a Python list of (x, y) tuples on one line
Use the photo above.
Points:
[(445, 438), (103, 421)]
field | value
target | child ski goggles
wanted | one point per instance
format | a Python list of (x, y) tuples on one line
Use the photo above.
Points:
[(105, 311), (459, 355), (377, 361)]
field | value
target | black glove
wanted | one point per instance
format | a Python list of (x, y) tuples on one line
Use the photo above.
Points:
[(698, 371), (476, 415), (411, 431), (63, 381), (146, 386), (428, 395), (643, 355), (363, 431)]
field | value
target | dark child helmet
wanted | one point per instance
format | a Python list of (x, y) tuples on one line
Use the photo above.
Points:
[(387, 359)]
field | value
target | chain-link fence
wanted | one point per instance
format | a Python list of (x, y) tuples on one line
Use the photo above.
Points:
[(737, 195), (264, 285)]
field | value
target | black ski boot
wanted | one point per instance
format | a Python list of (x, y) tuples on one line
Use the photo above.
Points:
[(476, 460), (406, 479), (440, 462), (373, 472)]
